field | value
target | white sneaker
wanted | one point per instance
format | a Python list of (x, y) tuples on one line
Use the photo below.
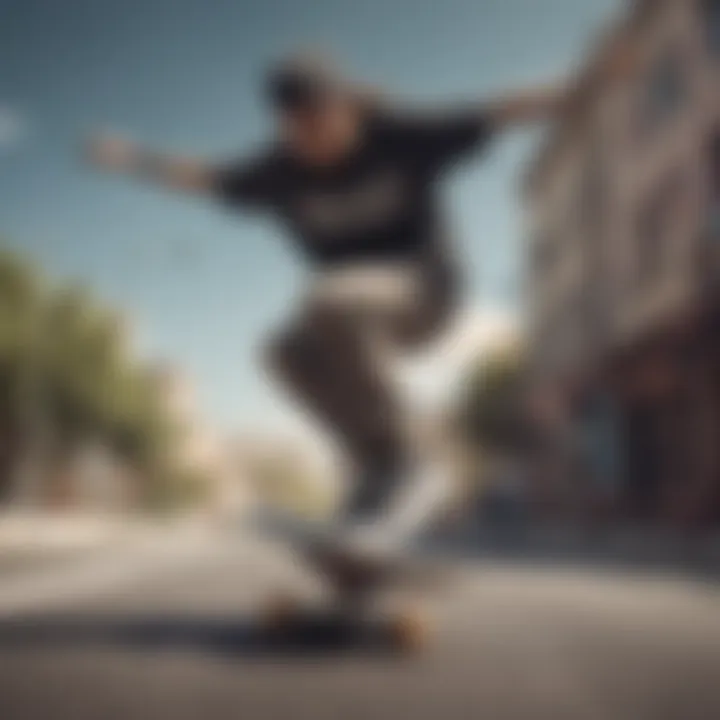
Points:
[(419, 498)]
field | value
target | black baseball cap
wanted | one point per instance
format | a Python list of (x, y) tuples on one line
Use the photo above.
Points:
[(302, 83)]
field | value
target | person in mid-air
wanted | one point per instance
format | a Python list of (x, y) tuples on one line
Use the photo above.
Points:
[(356, 183)]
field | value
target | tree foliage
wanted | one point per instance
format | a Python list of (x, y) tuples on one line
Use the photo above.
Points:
[(64, 365), (491, 409)]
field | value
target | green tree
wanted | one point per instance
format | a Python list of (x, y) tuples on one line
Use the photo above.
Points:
[(66, 376), (491, 409), (20, 309)]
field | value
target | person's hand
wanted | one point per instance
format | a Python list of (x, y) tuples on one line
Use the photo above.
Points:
[(117, 154), (111, 152)]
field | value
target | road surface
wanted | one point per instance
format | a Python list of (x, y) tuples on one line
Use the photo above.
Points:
[(138, 634)]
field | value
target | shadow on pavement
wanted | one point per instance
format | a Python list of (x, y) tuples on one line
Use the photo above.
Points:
[(310, 636)]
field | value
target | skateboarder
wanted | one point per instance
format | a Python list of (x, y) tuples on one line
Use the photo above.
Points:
[(356, 182)]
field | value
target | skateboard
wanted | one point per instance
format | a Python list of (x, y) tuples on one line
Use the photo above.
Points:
[(376, 599)]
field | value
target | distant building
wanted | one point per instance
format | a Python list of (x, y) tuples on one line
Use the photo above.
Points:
[(287, 470), (623, 279), (200, 449), (100, 480)]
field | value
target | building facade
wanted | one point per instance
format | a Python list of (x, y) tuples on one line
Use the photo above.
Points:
[(201, 451), (623, 271)]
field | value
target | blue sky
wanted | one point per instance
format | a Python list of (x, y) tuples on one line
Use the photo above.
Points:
[(200, 284)]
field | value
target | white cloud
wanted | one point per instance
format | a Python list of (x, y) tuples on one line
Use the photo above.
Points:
[(12, 128)]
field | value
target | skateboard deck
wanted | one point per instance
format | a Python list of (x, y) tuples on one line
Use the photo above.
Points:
[(355, 579), (288, 621)]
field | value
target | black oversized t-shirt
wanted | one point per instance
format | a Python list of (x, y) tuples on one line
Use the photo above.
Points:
[(379, 203)]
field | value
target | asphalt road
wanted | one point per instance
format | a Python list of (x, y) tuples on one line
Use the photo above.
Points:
[(176, 640)]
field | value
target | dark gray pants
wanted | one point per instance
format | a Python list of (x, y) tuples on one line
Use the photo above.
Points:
[(334, 354)]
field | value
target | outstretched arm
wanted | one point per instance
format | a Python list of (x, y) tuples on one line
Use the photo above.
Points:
[(118, 155), (525, 107), (542, 103), (249, 183), (439, 138)]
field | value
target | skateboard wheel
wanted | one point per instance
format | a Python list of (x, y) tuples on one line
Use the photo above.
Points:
[(409, 630), (279, 611)]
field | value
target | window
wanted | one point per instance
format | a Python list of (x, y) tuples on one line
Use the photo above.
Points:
[(591, 194), (544, 256), (655, 231), (649, 244), (591, 198), (663, 92), (711, 11), (714, 221), (715, 167)]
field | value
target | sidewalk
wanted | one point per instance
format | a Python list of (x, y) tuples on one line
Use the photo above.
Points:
[(55, 559), (31, 532), (29, 539), (618, 546)]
